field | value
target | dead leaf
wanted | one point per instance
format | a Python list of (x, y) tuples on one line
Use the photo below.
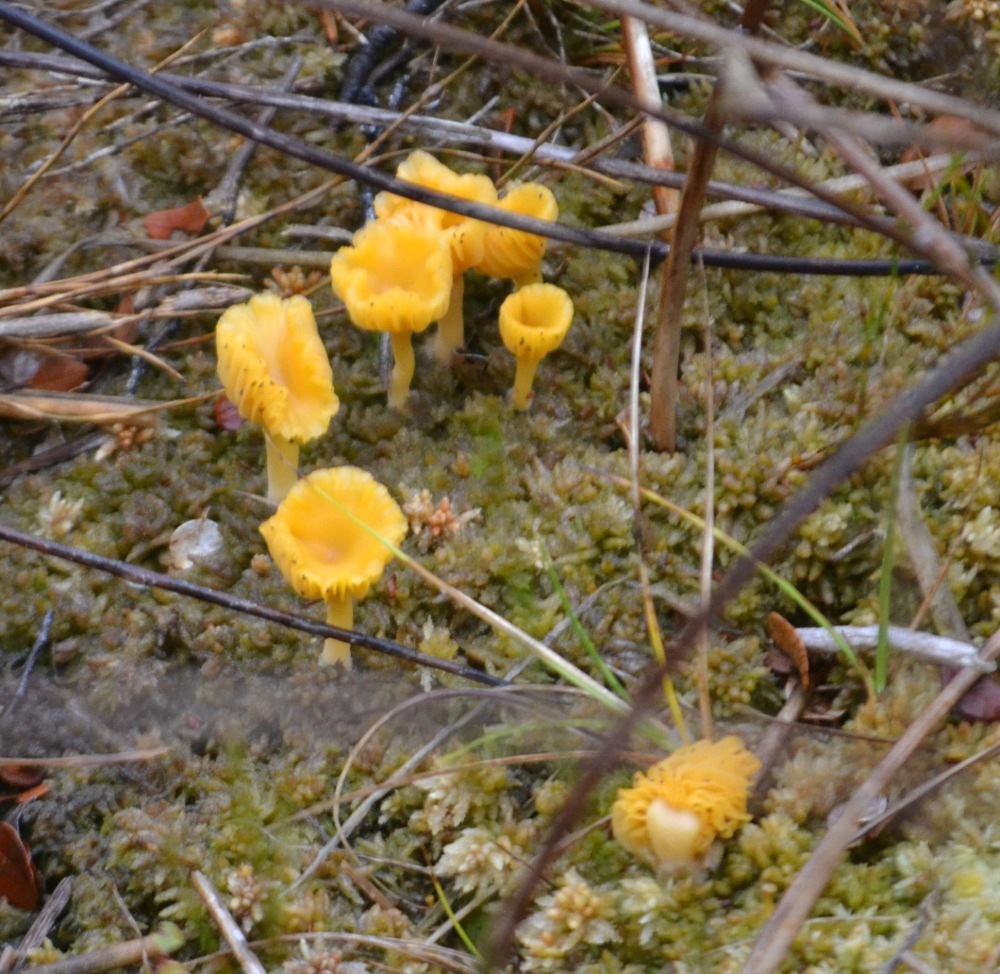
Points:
[(59, 373), (981, 702), (20, 880), (20, 776), (190, 218), (947, 128), (784, 636)]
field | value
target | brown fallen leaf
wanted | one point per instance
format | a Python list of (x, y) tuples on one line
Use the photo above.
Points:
[(59, 373), (20, 880), (981, 702), (786, 639), (19, 776), (190, 218), (947, 128)]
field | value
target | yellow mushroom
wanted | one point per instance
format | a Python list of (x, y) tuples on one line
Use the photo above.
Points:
[(533, 322), (396, 278), (325, 539), (674, 811), (275, 369), (464, 235), (517, 254)]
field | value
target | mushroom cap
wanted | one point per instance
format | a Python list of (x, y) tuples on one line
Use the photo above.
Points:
[(395, 277), (320, 548), (703, 784), (274, 368), (465, 236), (516, 253), (534, 320)]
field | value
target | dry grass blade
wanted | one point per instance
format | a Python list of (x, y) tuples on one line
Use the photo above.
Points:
[(85, 408), (87, 760), (229, 928)]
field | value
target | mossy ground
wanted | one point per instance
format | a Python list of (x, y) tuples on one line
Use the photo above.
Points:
[(258, 733)]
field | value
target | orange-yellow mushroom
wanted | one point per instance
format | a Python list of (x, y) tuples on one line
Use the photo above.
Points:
[(274, 368), (395, 278), (533, 322), (674, 811), (464, 235), (517, 254), (327, 539)]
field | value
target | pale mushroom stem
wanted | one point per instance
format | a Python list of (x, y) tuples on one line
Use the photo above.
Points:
[(339, 613), (282, 466), (451, 328), (523, 379), (402, 371)]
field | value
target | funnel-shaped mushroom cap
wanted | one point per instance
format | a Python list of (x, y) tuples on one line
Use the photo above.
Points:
[(317, 542), (674, 811), (535, 319), (464, 235), (395, 277), (515, 253), (274, 367)]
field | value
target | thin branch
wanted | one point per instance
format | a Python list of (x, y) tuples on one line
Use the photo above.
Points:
[(143, 576)]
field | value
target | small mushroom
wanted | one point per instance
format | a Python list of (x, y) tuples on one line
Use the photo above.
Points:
[(274, 368), (517, 254), (330, 538), (533, 322), (464, 235), (396, 278), (674, 811)]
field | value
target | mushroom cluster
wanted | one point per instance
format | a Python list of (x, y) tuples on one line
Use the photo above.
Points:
[(335, 530), (675, 811), (405, 270)]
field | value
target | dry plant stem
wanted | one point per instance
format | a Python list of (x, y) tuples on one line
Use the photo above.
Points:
[(924, 789), (792, 59), (11, 961), (74, 130), (433, 954), (656, 147), (928, 234), (634, 445), (228, 189), (140, 271), (794, 907), (233, 935), (784, 203), (86, 760), (923, 556), (145, 577), (940, 650), (667, 347), (775, 740), (164, 941), (462, 40), (708, 535), (744, 199)]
